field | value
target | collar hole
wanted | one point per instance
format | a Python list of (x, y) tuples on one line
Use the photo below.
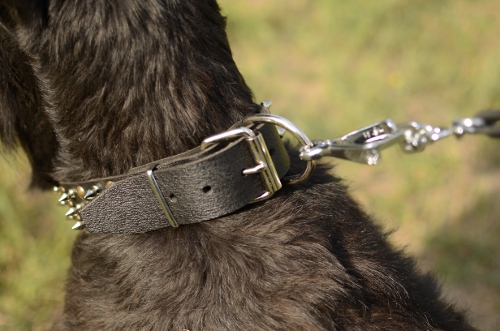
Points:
[(172, 198)]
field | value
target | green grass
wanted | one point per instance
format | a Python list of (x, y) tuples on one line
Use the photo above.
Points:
[(333, 66), (35, 245)]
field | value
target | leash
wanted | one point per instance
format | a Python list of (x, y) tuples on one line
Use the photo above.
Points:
[(246, 164), (364, 145)]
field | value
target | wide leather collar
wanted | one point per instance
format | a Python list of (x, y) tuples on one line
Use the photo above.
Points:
[(195, 186)]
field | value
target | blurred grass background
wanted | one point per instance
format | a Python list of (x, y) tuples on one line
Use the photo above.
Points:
[(333, 66)]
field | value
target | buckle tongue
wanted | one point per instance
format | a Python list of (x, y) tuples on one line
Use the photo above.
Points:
[(262, 157)]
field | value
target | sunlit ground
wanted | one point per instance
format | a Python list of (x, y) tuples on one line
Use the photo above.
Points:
[(333, 66)]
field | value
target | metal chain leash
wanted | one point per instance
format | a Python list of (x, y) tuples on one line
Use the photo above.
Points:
[(364, 145)]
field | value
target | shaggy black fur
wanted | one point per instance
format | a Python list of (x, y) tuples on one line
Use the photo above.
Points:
[(91, 88)]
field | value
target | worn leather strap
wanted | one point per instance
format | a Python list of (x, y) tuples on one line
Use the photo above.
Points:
[(197, 186)]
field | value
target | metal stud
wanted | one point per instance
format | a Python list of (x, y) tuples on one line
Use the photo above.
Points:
[(58, 190), (78, 226), (80, 191), (75, 217), (108, 184)]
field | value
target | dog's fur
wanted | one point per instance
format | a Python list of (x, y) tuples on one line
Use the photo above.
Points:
[(91, 88)]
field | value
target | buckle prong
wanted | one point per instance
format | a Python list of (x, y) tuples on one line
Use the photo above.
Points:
[(255, 170), (265, 165)]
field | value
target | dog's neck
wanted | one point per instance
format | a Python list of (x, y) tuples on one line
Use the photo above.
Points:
[(120, 90)]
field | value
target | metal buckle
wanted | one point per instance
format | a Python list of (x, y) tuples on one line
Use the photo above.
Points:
[(262, 157), (296, 133), (159, 196)]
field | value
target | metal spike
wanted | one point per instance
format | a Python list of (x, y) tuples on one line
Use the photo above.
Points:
[(89, 195), (266, 104), (70, 195), (78, 226), (64, 199), (92, 193), (73, 212)]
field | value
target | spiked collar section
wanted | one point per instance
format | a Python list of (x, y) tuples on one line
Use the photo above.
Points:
[(225, 173)]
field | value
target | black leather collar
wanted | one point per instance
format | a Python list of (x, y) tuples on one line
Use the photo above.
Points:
[(191, 187)]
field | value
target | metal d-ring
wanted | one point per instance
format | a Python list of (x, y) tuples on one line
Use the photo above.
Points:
[(296, 133)]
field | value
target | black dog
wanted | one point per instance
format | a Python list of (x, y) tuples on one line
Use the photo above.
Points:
[(94, 88)]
